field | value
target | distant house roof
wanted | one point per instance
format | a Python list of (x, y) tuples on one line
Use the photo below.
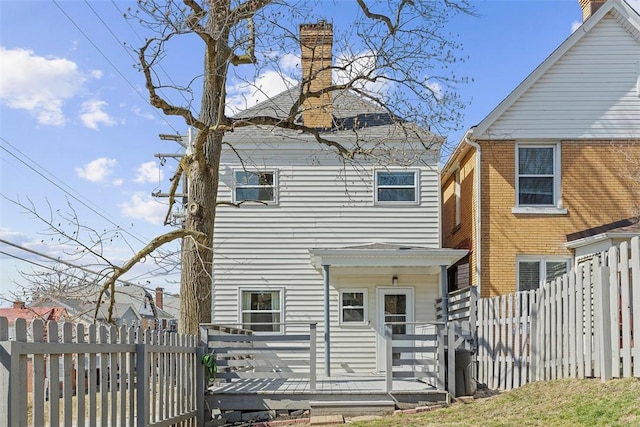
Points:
[(32, 313)]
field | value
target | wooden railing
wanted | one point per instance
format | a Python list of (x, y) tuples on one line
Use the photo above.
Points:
[(243, 354), (99, 376)]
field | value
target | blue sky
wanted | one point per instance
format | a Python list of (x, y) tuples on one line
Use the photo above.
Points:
[(75, 126)]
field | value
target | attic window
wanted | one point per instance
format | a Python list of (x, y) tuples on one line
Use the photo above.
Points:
[(255, 186)]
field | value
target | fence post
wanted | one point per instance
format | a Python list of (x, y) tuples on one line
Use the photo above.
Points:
[(603, 320), (142, 381), (313, 332), (635, 284), (5, 368), (451, 358), (200, 382), (442, 371), (388, 339)]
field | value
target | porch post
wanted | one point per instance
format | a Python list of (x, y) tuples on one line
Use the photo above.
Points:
[(327, 327), (444, 289)]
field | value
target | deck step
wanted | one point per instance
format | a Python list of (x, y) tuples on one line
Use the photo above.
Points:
[(350, 408)]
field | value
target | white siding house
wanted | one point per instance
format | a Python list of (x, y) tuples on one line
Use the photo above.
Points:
[(296, 220)]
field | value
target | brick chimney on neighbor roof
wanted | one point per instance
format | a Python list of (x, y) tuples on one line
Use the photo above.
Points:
[(19, 305), (589, 7), (316, 42), (159, 297)]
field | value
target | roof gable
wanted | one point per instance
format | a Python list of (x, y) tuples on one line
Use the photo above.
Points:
[(587, 88)]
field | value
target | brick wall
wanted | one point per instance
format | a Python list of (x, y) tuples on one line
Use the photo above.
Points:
[(595, 191)]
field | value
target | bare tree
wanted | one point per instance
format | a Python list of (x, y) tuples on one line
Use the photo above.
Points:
[(398, 46)]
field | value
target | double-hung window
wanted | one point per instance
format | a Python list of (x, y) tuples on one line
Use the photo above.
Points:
[(537, 175), (396, 186), (353, 306), (534, 271), (255, 186), (261, 310)]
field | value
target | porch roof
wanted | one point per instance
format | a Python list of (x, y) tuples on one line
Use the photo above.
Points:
[(385, 255)]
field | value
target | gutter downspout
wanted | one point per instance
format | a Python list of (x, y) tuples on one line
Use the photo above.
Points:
[(478, 240)]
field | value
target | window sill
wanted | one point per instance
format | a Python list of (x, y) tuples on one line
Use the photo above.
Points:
[(532, 210)]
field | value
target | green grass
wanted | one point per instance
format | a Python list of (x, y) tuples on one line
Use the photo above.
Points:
[(549, 404)]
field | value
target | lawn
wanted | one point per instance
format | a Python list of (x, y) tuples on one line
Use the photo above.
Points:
[(549, 404)]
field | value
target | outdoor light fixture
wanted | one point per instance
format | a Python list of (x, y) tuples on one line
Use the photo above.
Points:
[(394, 280)]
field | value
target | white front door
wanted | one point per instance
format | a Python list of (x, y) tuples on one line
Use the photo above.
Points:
[(395, 306)]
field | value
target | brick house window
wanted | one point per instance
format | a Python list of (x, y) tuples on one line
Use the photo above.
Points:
[(534, 271), (538, 171)]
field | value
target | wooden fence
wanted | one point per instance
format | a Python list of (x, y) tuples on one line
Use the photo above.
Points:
[(579, 325), (104, 376)]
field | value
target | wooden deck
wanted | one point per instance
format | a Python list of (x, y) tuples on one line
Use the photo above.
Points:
[(253, 394)]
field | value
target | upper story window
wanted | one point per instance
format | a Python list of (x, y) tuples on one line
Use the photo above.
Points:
[(456, 190), (534, 271), (538, 171), (396, 186), (255, 186)]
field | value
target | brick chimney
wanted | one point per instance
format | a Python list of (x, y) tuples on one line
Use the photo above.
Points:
[(19, 305), (589, 7), (316, 42), (159, 297)]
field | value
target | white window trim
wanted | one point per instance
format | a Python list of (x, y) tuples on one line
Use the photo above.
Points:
[(556, 208), (261, 289), (415, 201), (257, 202), (365, 301), (543, 260)]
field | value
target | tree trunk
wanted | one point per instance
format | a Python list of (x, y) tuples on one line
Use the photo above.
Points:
[(197, 258)]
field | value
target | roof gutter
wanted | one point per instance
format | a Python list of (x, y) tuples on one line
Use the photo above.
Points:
[(477, 241)]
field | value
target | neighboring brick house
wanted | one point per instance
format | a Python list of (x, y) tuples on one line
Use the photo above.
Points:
[(551, 175)]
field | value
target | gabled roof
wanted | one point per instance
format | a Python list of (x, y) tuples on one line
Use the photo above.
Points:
[(624, 14)]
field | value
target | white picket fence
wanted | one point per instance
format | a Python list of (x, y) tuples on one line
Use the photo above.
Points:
[(99, 376), (577, 326)]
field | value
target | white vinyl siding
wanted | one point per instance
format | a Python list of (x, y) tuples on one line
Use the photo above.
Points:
[(321, 204), (590, 92)]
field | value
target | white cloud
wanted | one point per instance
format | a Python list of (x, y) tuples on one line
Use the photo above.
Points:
[(93, 114), (575, 25), (148, 172), (97, 170), (359, 64), (37, 84), (118, 182), (247, 94), (96, 74), (144, 206)]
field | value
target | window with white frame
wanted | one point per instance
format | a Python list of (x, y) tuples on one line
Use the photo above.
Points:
[(396, 186), (255, 186), (537, 175), (261, 310), (353, 306), (534, 271)]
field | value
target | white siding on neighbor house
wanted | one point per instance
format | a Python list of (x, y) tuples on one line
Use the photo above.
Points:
[(322, 205), (590, 92)]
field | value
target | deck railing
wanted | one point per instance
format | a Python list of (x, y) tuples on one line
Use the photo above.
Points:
[(243, 354)]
